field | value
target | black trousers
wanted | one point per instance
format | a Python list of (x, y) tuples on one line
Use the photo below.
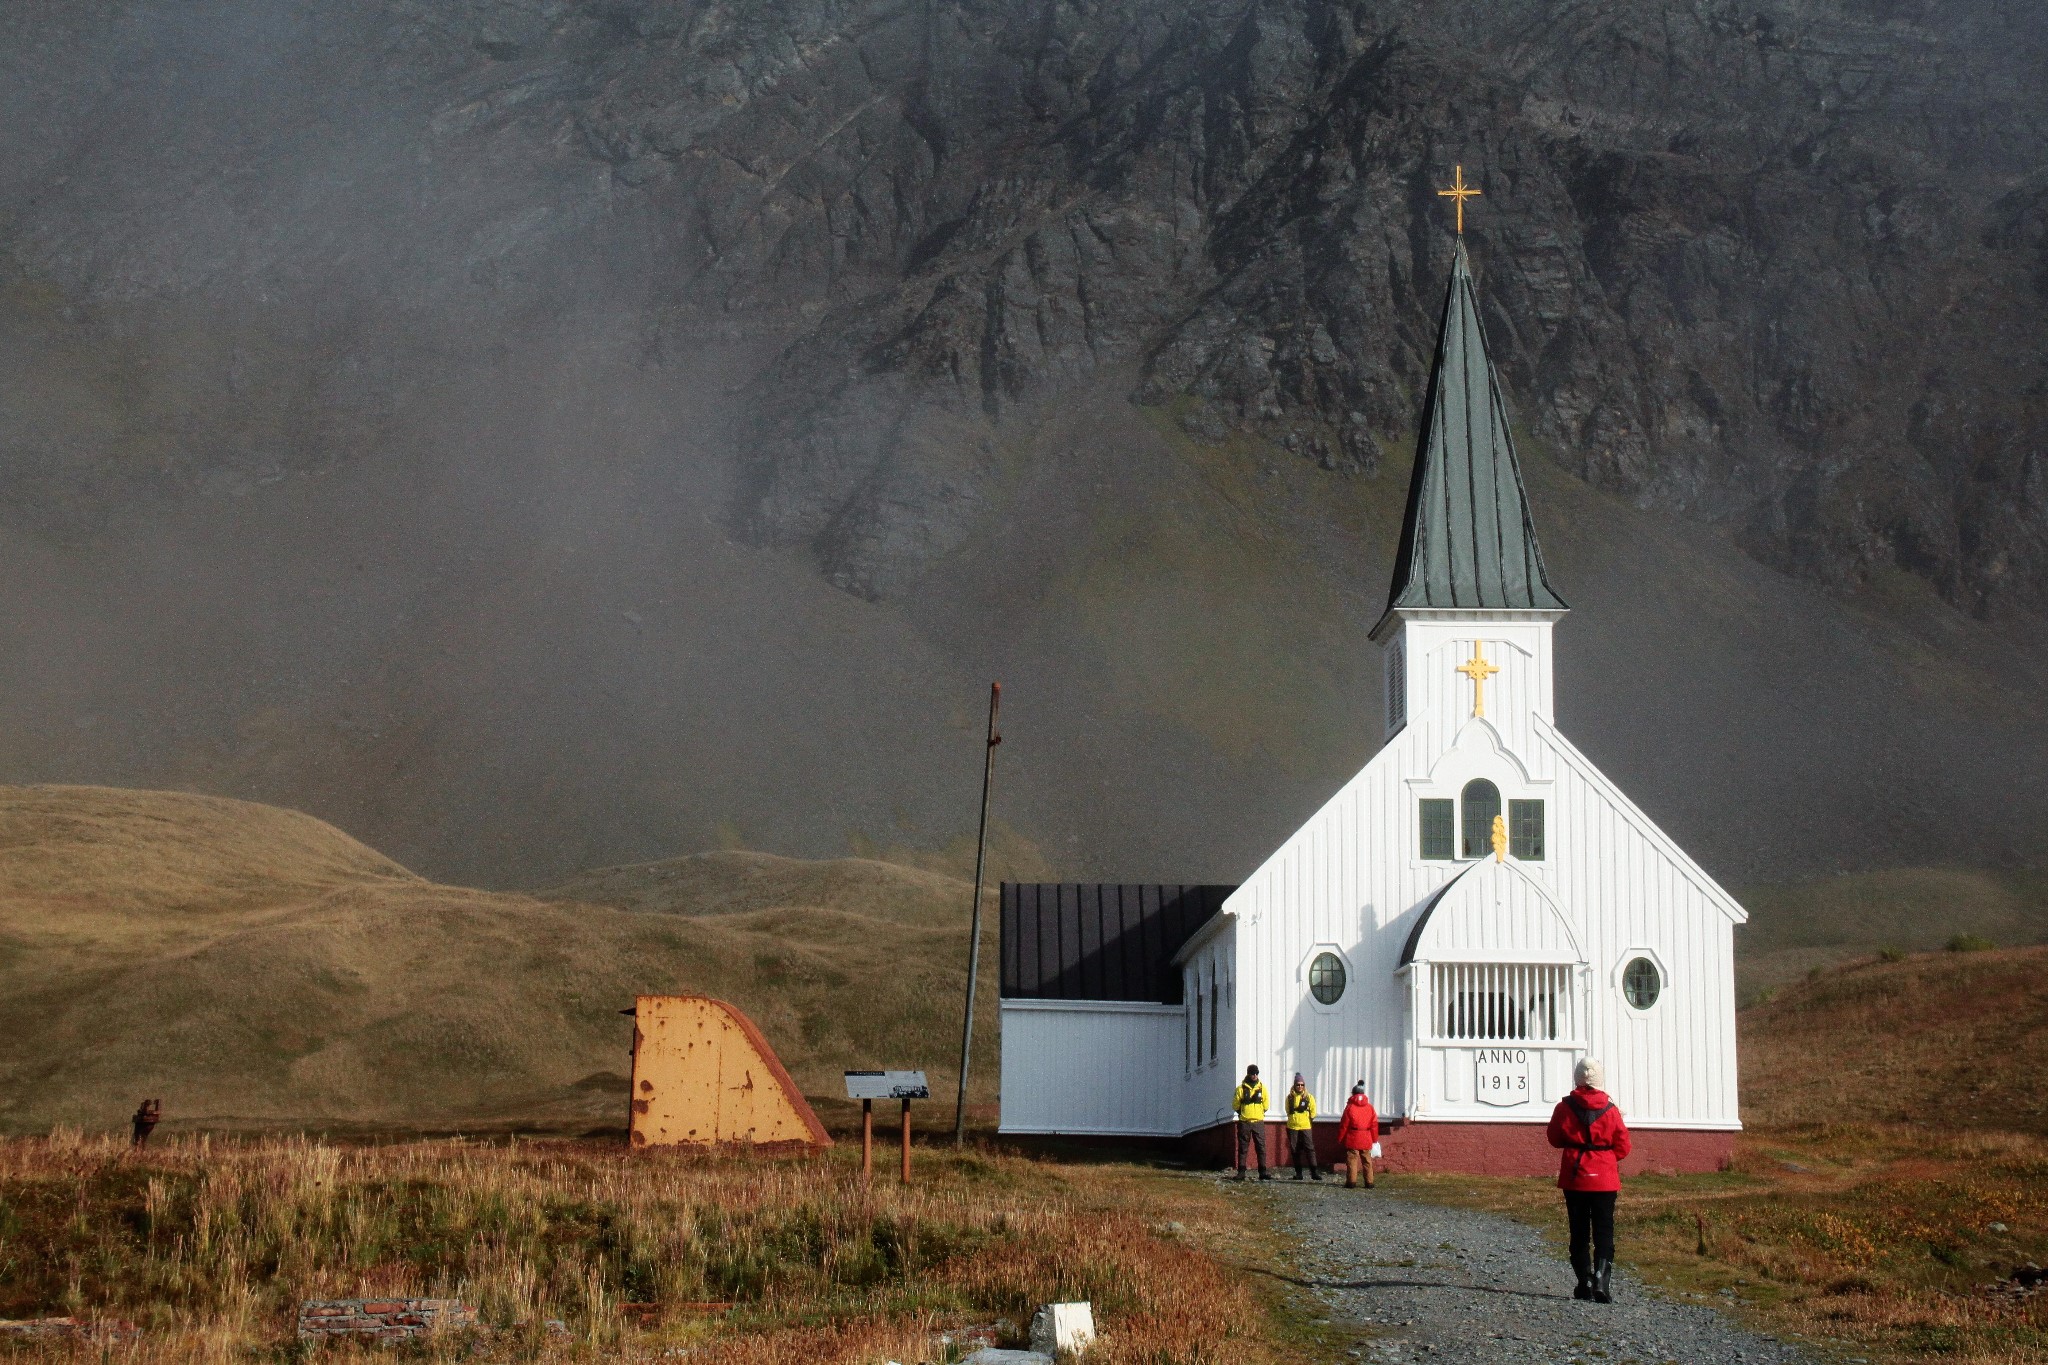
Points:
[(1251, 1137), (1592, 1218), (1301, 1151)]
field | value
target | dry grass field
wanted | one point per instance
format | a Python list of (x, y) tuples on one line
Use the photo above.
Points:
[(255, 968), (208, 1245), (262, 971)]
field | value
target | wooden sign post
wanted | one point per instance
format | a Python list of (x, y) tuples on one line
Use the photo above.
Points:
[(869, 1086)]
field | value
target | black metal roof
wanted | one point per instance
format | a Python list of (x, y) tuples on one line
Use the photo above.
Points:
[(1468, 541), (1107, 941)]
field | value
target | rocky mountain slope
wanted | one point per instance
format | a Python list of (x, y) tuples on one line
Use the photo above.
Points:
[(539, 434)]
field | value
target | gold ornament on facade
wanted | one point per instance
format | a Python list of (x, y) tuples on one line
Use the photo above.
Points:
[(1500, 839), (1478, 670)]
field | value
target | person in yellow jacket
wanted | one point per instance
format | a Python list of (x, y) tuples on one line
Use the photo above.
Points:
[(1249, 1104), (1301, 1133)]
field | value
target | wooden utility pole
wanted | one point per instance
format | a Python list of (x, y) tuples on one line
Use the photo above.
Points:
[(906, 1142), (988, 772)]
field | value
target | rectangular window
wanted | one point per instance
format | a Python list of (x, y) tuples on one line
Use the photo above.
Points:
[(1525, 830), (1438, 828), (1501, 1002)]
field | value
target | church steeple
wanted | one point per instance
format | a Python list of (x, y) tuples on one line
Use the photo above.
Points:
[(1468, 543)]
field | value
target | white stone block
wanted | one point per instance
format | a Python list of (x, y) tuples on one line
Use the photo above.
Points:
[(1063, 1327)]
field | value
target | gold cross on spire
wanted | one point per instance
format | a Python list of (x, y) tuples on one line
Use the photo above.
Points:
[(1478, 670), (1459, 191)]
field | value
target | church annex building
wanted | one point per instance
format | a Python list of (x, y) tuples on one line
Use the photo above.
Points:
[(1465, 918)]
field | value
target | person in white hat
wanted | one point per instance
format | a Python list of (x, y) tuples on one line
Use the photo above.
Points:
[(1591, 1139)]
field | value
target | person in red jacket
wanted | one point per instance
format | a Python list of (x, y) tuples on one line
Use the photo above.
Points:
[(1589, 1132), (1358, 1133)]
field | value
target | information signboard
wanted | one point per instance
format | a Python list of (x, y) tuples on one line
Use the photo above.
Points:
[(887, 1085)]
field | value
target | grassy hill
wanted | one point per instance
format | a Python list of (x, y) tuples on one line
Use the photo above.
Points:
[(1796, 927), (255, 966), (1954, 1038)]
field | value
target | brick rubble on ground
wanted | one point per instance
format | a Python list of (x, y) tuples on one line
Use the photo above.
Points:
[(381, 1319)]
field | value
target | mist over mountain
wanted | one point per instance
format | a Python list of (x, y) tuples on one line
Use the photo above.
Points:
[(542, 435)]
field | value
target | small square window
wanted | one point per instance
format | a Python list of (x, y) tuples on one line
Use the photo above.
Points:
[(1525, 830), (1438, 829)]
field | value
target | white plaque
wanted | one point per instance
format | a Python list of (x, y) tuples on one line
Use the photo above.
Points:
[(1503, 1075), (887, 1085)]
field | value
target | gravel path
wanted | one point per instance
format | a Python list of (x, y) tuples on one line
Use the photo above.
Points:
[(1423, 1282)]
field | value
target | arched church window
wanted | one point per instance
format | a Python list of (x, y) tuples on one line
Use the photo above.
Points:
[(1326, 978), (1480, 803), (1642, 983)]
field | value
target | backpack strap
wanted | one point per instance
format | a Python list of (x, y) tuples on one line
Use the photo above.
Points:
[(1588, 1116)]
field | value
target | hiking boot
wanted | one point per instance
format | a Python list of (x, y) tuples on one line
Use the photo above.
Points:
[(1603, 1282), (1265, 1175)]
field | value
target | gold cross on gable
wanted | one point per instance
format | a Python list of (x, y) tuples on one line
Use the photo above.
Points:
[(1459, 191), (1478, 670)]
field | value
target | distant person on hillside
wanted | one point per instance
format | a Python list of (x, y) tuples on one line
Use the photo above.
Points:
[(1301, 1131), (147, 1115), (1358, 1133), (1589, 1132), (1249, 1104)]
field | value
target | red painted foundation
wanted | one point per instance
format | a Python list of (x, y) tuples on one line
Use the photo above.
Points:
[(1482, 1148)]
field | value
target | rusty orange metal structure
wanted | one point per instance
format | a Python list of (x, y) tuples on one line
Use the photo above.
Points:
[(703, 1076)]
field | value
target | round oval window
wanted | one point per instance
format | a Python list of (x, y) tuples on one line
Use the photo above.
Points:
[(1641, 983), (1326, 978)]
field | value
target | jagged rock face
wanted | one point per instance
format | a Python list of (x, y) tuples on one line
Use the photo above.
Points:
[(382, 383), (1778, 266)]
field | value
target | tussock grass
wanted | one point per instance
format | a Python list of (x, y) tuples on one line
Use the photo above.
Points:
[(209, 1244)]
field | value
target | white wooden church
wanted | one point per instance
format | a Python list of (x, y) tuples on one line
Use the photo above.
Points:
[(1475, 910)]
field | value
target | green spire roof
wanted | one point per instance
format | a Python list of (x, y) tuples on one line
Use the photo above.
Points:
[(1468, 542)]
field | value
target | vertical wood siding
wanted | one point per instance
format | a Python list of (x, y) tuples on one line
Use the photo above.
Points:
[(1076, 1068), (1351, 880), (1352, 877)]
